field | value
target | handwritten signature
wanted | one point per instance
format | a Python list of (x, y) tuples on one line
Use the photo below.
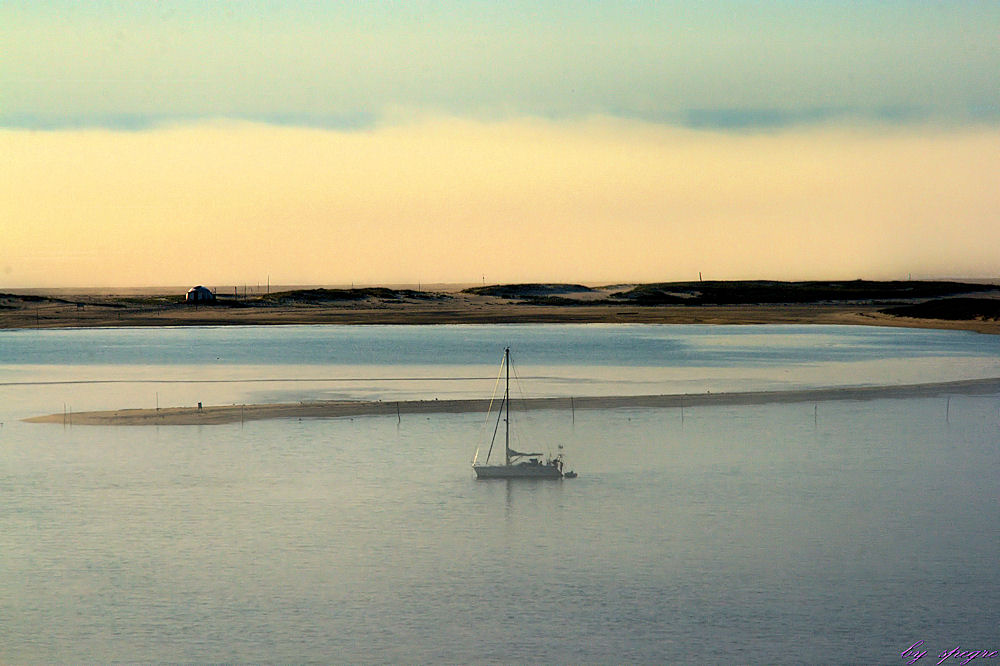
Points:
[(915, 654)]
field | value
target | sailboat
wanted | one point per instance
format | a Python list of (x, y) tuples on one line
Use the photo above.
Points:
[(517, 465)]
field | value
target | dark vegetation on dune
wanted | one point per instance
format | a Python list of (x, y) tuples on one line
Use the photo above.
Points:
[(20, 301), (10, 301), (528, 290), (750, 292), (6, 299), (229, 300), (956, 309), (317, 297), (320, 296), (769, 292), (143, 301)]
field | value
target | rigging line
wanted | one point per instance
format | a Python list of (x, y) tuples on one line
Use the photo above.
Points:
[(493, 395), (494, 438), (520, 387), (499, 413)]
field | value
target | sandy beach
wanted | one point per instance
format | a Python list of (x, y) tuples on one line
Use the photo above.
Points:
[(221, 414)]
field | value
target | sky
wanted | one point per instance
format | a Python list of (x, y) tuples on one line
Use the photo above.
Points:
[(176, 143)]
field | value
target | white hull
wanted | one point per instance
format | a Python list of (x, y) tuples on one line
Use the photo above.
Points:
[(518, 471)]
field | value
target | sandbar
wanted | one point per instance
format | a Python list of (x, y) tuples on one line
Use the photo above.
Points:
[(222, 414)]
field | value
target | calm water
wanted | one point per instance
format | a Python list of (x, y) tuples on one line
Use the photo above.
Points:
[(838, 532)]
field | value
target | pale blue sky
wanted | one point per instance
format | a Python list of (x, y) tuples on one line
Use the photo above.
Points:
[(702, 64)]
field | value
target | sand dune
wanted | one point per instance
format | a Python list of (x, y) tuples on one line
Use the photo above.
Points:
[(219, 414)]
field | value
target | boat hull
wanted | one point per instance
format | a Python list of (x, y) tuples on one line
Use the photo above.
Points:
[(519, 471)]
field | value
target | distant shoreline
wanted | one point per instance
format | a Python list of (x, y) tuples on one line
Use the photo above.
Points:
[(222, 414), (856, 303)]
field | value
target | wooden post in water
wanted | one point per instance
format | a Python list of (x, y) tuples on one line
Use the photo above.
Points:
[(572, 407), (399, 419), (947, 410)]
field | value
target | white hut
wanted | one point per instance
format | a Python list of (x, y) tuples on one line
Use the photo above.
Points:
[(200, 294)]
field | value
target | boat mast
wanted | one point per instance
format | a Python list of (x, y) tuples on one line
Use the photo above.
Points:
[(506, 399)]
